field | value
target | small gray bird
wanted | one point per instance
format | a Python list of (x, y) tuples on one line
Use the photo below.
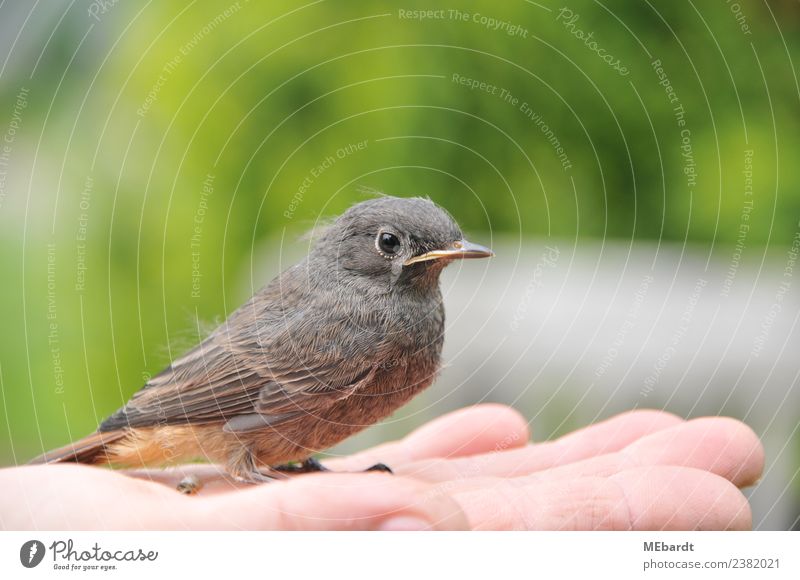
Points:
[(329, 347)]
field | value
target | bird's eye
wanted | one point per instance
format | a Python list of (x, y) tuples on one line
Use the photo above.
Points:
[(388, 243)]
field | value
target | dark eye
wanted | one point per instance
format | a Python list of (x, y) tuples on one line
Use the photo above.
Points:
[(388, 243)]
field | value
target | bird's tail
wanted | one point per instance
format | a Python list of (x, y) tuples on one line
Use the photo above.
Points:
[(90, 449)]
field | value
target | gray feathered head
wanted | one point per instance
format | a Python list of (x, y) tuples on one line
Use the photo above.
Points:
[(395, 236)]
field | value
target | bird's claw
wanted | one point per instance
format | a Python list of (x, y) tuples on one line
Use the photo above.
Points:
[(380, 467), (309, 465)]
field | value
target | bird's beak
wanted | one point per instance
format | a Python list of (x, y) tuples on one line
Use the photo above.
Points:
[(458, 250)]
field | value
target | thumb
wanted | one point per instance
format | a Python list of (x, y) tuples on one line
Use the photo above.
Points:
[(328, 501)]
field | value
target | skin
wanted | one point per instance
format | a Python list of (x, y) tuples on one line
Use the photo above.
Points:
[(471, 469)]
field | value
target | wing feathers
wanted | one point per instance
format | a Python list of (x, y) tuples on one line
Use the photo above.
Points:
[(255, 366)]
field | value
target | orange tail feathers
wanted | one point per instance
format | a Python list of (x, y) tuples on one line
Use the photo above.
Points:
[(90, 449)]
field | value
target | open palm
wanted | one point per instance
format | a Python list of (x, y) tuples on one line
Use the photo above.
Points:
[(471, 469)]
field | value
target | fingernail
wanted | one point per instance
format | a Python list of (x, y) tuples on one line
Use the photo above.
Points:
[(404, 524)]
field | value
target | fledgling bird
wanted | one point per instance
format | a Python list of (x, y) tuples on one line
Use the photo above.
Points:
[(327, 348)]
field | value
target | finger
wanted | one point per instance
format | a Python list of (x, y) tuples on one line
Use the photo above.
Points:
[(677, 498), (721, 445), (652, 498), (598, 439), (610, 435), (478, 429), (465, 432), (369, 501)]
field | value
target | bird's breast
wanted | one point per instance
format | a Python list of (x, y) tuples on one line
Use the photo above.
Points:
[(411, 351)]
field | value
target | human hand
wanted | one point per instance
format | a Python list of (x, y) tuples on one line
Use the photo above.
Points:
[(473, 468)]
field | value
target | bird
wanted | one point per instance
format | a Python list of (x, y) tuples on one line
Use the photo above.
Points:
[(330, 346)]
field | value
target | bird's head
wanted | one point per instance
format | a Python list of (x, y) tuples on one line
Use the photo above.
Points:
[(406, 240)]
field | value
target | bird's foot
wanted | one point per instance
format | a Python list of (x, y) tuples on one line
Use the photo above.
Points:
[(259, 476), (245, 469), (189, 485), (311, 465), (380, 467)]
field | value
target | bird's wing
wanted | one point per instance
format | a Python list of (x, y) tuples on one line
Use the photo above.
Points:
[(232, 374)]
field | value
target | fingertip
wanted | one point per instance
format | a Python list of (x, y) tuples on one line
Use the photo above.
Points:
[(721, 445), (470, 431), (503, 424), (741, 441)]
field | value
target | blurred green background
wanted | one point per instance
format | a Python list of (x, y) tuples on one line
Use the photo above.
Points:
[(151, 150)]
